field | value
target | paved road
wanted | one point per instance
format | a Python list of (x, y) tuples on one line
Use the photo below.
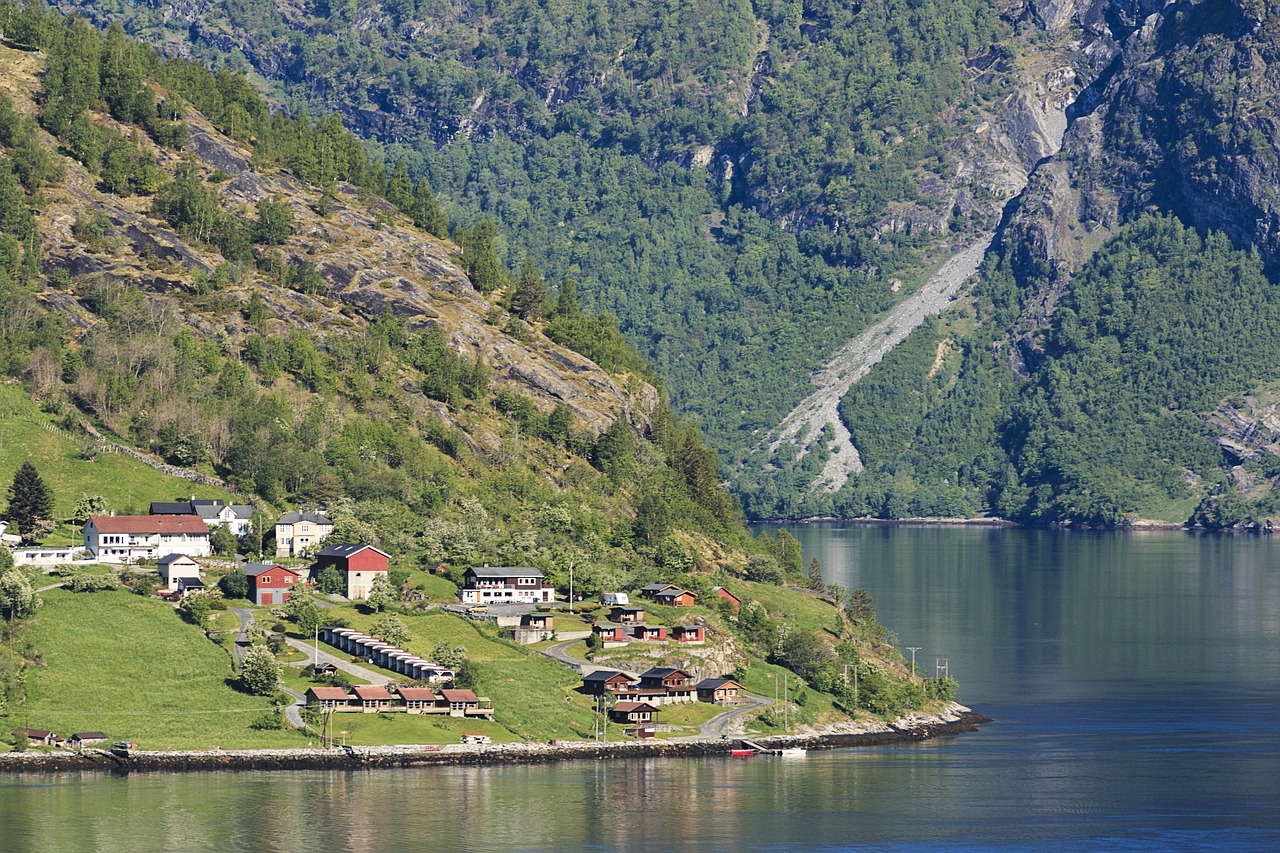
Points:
[(719, 725), (245, 615), (342, 662), (560, 653)]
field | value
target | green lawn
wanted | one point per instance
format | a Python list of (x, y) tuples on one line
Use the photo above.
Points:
[(392, 729), (127, 484), (129, 666)]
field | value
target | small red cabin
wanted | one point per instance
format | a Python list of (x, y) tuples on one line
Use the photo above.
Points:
[(269, 583)]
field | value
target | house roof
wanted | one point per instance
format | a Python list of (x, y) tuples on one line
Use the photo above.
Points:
[(370, 691), (687, 628), (188, 524), (603, 675), (328, 692), (719, 590), (657, 587), (459, 696), (628, 707), (170, 559), (38, 733), (255, 569), (717, 683), (663, 672), (89, 736), (172, 508), (672, 592), (213, 509), (504, 572), (192, 583), (417, 694), (295, 517), (349, 549)]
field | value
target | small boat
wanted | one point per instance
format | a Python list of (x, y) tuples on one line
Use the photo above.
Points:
[(793, 752), (742, 753)]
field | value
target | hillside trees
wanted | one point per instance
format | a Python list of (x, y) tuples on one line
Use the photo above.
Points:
[(30, 503)]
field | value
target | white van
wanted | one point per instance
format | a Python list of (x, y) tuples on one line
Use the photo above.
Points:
[(616, 599)]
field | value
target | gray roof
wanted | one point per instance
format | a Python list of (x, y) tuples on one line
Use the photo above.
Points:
[(170, 559), (211, 510), (602, 675), (295, 517), (505, 572), (255, 569), (346, 549), (171, 508), (713, 683)]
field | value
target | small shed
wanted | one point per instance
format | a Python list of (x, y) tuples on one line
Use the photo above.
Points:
[(37, 737), (82, 739), (689, 634)]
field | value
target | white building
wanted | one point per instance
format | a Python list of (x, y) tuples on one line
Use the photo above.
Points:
[(505, 585), (297, 532), (130, 538)]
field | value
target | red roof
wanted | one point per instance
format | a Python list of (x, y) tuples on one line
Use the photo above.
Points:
[(628, 707), (459, 696), (328, 692), (150, 524), (417, 694), (365, 691)]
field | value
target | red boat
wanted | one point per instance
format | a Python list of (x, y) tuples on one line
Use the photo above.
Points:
[(742, 753)]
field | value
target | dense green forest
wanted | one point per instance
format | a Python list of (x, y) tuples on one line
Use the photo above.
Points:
[(1161, 327), (739, 184), (378, 422)]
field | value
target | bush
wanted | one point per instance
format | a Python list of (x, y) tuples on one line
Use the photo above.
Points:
[(93, 583)]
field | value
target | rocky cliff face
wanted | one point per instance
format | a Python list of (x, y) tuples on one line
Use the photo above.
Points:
[(1174, 114), (370, 261)]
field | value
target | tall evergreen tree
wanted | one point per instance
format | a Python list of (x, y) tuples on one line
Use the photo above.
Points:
[(530, 294), (30, 502), (425, 211)]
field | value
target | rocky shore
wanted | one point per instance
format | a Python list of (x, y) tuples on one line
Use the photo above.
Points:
[(955, 720)]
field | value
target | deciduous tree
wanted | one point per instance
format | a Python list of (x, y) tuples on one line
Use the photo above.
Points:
[(260, 673)]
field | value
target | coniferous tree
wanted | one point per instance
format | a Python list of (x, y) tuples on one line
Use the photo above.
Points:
[(530, 294), (30, 502), (815, 576), (480, 256), (425, 211)]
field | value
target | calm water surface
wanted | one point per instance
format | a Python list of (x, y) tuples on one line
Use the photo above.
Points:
[(1135, 680)]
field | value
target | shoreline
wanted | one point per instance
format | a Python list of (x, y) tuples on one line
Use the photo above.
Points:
[(957, 719)]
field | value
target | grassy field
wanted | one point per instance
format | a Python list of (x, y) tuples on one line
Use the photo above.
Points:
[(129, 666), (127, 484)]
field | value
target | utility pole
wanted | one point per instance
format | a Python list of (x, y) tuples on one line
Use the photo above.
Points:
[(315, 663), (571, 587), (940, 667), (913, 650), (786, 706)]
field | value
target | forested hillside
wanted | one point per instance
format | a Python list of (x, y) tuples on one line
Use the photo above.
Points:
[(743, 187), (176, 291)]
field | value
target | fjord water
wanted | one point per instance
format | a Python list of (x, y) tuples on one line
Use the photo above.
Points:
[(1134, 678)]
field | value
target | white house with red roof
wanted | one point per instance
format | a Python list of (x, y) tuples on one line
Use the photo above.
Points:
[(130, 538)]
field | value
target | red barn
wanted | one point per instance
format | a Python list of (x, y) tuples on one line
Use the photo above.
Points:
[(359, 564), (269, 584), (724, 595)]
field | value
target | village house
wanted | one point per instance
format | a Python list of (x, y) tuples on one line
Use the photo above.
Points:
[(651, 591), (179, 573), (610, 633), (724, 595), (688, 634), (328, 698), (505, 585), (600, 681), (649, 633), (299, 532), (79, 740), (720, 691), (38, 556), (38, 737), (465, 703), (269, 583), (627, 615), (633, 712), (372, 699), (130, 538), (675, 597), (534, 628), (359, 564), (237, 518), (420, 700), (666, 685)]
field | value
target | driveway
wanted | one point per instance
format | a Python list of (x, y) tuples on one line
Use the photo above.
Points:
[(719, 725), (559, 652), (245, 615), (341, 662)]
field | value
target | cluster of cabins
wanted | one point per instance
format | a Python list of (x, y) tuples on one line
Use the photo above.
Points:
[(626, 624), (371, 699), (638, 700), (41, 737)]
